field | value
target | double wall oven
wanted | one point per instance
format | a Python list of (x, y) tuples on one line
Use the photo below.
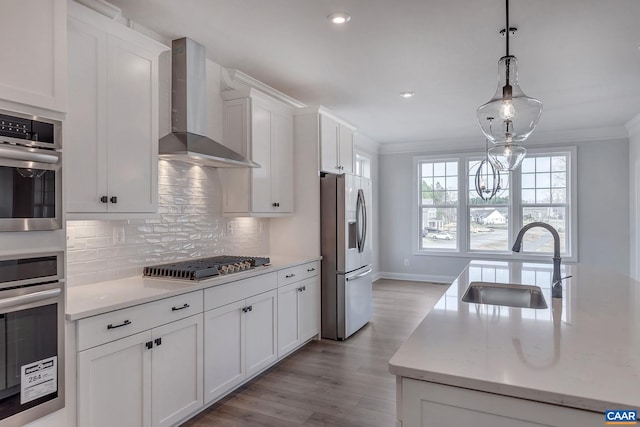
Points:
[(32, 307)]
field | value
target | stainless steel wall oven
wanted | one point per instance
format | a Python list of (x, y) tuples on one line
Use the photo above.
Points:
[(31, 337), (30, 173)]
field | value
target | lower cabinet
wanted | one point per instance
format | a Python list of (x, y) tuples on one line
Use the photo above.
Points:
[(298, 313), (240, 341), (153, 378), (422, 403)]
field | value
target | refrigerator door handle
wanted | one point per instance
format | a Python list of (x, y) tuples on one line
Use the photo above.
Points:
[(360, 220), (363, 206), (359, 276)]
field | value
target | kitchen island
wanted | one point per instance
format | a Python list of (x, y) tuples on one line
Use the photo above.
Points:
[(490, 365)]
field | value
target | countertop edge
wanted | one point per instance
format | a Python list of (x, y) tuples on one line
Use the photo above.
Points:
[(198, 286), (542, 396)]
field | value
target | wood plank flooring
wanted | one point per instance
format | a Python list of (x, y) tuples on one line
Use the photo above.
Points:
[(333, 383)]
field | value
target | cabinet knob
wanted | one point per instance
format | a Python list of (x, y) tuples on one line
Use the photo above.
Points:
[(113, 199), (149, 345), (158, 341), (104, 199)]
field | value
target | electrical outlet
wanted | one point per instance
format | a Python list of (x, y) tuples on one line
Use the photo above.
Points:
[(118, 235), (406, 262)]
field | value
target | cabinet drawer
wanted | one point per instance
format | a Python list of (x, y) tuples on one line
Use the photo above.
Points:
[(218, 296), (117, 324), (298, 272)]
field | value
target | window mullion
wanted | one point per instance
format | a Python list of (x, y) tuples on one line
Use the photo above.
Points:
[(463, 205)]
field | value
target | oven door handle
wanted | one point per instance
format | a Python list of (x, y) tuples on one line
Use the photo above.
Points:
[(28, 298), (29, 154)]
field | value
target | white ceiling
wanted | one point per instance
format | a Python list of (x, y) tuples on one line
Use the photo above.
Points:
[(579, 57)]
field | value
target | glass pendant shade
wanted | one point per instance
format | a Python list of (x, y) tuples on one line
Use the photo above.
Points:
[(516, 113), (506, 157)]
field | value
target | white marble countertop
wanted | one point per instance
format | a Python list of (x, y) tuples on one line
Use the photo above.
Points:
[(586, 356), (97, 298)]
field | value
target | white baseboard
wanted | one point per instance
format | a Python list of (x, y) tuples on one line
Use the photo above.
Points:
[(375, 276), (414, 277)]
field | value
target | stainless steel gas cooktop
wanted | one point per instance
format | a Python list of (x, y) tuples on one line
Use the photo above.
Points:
[(202, 268)]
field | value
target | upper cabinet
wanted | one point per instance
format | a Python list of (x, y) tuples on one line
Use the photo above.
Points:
[(260, 128), (111, 142), (33, 43), (336, 145)]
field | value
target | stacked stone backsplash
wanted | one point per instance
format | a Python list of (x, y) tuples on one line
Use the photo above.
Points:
[(189, 224)]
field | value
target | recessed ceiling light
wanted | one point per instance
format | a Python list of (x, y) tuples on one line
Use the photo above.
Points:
[(407, 94), (339, 18)]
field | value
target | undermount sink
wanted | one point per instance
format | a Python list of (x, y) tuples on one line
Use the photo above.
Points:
[(506, 294)]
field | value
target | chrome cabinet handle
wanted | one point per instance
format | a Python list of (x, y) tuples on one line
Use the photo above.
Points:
[(125, 323)]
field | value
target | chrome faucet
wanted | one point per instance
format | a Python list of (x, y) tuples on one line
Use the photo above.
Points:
[(556, 288)]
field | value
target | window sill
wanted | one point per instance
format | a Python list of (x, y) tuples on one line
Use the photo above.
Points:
[(500, 256)]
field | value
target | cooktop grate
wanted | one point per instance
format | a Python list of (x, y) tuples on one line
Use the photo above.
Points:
[(201, 268)]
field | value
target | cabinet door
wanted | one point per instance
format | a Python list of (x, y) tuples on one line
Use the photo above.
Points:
[(282, 162), (85, 126), (261, 332), (329, 130), (177, 370), (261, 133), (309, 308), (132, 134), (288, 337), (32, 39), (345, 150), (114, 383), (224, 352)]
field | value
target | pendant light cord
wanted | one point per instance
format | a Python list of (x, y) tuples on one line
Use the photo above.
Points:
[(507, 27)]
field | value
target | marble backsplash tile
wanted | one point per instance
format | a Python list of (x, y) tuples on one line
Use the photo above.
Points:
[(189, 224)]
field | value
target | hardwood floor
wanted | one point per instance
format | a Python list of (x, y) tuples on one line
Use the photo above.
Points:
[(333, 383)]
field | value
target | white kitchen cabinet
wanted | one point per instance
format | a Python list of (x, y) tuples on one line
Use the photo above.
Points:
[(224, 349), (298, 306), (111, 143), (149, 378), (177, 370), (332, 136), (33, 43), (260, 128), (114, 383), (336, 145), (240, 336), (428, 404)]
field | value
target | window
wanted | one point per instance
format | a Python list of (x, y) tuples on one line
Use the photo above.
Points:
[(488, 219), (453, 218), (438, 207), (363, 166), (544, 198)]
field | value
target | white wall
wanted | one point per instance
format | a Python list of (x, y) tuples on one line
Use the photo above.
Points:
[(368, 148), (633, 127), (603, 195)]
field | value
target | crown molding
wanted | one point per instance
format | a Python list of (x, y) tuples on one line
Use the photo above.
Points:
[(633, 125), (540, 138), (235, 79), (103, 8)]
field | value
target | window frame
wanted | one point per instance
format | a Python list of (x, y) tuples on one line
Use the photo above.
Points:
[(463, 243)]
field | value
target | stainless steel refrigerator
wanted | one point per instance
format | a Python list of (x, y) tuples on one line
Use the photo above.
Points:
[(346, 254)]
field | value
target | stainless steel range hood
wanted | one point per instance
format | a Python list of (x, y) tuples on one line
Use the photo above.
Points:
[(187, 142)]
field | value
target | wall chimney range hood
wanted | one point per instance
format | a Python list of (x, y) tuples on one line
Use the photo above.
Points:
[(187, 142)]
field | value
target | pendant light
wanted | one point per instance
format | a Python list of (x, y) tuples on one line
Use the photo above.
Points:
[(487, 173), (518, 113)]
